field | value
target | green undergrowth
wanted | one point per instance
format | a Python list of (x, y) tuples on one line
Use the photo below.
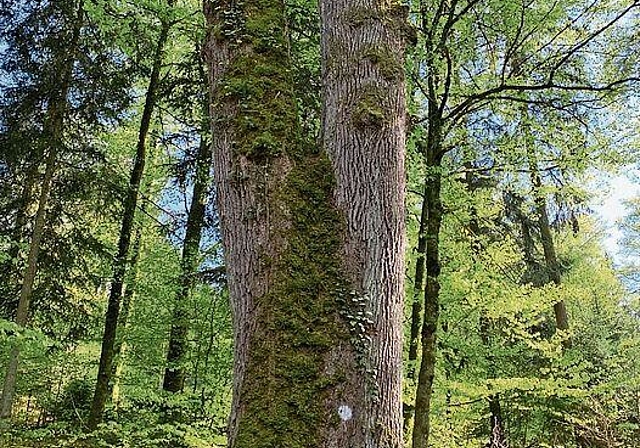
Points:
[(149, 421), (113, 435)]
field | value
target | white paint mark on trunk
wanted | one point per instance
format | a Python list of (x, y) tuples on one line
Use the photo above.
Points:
[(345, 413)]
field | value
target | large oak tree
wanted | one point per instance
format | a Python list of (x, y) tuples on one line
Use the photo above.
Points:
[(313, 236)]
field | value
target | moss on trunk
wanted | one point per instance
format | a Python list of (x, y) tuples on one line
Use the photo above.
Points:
[(298, 319), (305, 369), (299, 326)]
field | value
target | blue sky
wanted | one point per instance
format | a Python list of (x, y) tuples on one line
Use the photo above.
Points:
[(609, 208)]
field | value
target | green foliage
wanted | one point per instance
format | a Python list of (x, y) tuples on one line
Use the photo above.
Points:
[(74, 402), (116, 435)]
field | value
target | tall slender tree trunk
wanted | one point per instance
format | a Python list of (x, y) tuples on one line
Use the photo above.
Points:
[(128, 297), (418, 286), (546, 235), (105, 369), (175, 373), (11, 375), (433, 200), (54, 130), (313, 244), (416, 303), (549, 249)]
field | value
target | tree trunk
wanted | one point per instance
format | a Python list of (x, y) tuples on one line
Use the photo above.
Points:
[(175, 373), (546, 235), (364, 128), (105, 369), (418, 287), (416, 304), (54, 129), (433, 200), (313, 247), (548, 247), (497, 438), (11, 375), (426, 373), (120, 345)]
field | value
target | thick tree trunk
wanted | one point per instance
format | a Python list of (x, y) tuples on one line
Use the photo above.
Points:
[(280, 336), (313, 247), (54, 129), (105, 368), (175, 373), (364, 127)]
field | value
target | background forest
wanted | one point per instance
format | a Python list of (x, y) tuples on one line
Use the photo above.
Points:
[(520, 329)]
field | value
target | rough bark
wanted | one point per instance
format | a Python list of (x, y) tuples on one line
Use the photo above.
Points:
[(175, 373), (313, 244), (281, 331), (364, 127), (105, 368), (53, 130)]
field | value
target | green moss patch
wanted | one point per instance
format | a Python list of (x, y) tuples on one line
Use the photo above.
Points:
[(300, 323), (369, 109), (382, 57)]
